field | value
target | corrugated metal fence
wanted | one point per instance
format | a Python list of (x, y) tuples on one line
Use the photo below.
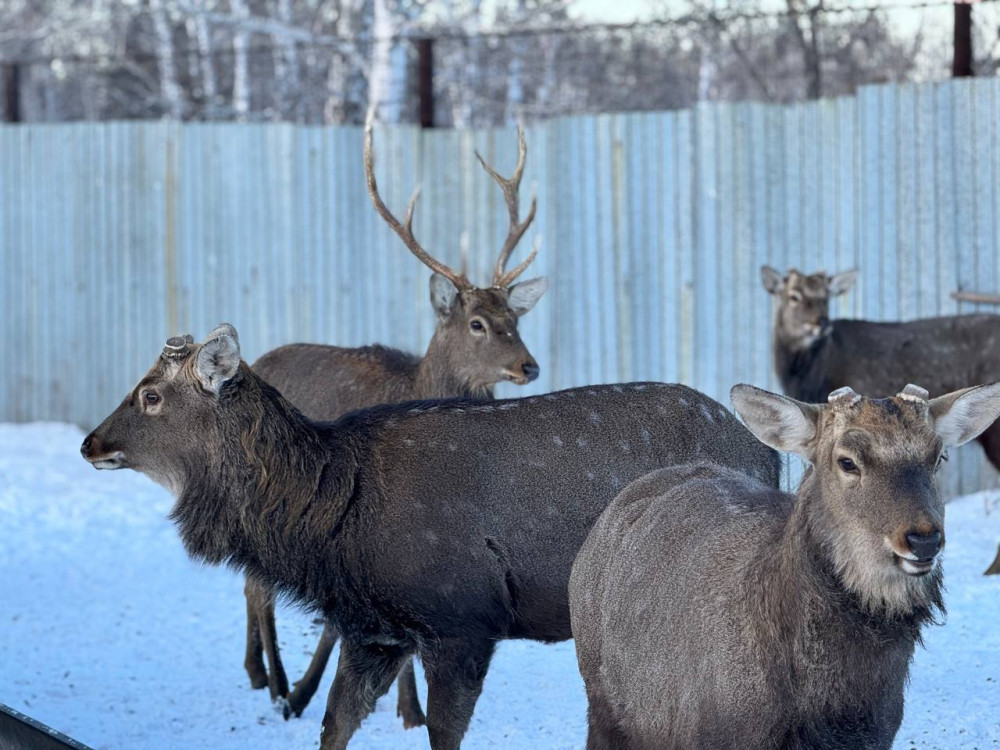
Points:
[(654, 226)]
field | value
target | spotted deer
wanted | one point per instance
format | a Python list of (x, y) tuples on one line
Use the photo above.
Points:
[(711, 612), (436, 528), (475, 345)]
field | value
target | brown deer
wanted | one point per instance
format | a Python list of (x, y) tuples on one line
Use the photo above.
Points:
[(814, 356), (438, 528), (475, 345), (711, 612)]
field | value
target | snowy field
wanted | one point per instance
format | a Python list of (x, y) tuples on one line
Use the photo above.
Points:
[(110, 634)]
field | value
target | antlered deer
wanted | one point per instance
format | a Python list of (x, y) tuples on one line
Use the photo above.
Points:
[(475, 345), (712, 612), (436, 528)]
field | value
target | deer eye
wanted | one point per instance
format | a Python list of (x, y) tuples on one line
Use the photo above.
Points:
[(151, 398), (794, 297), (848, 466), (940, 462), (477, 325)]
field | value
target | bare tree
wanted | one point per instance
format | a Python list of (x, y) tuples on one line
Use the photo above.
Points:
[(387, 83), (806, 26), (172, 93)]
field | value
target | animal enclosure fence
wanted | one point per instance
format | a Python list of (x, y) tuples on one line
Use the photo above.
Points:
[(653, 226)]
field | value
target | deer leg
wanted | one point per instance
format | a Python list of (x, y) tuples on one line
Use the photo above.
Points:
[(306, 688), (277, 681), (253, 662), (408, 705), (994, 569), (364, 674), (602, 728), (455, 673)]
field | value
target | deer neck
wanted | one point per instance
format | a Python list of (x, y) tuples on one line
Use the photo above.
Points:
[(439, 375), (802, 582), (275, 481), (813, 625), (797, 364)]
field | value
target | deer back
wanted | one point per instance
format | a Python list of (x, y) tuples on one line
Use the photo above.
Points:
[(324, 382)]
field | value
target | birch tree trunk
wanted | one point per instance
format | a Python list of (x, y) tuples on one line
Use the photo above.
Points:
[(206, 60), (286, 65), (241, 84), (515, 70), (387, 81), (169, 88)]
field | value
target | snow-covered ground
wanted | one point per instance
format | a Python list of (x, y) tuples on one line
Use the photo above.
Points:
[(109, 633)]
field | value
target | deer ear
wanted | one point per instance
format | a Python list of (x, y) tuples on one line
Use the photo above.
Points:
[(840, 283), (218, 358), (963, 415), (772, 280), (522, 297), (778, 421), (443, 296)]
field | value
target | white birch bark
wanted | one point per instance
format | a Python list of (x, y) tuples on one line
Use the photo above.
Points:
[(387, 79), (286, 65), (169, 87), (241, 83)]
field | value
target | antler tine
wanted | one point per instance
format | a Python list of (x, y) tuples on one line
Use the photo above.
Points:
[(513, 273), (511, 188), (405, 230)]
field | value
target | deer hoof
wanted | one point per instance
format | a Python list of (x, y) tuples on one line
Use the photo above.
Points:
[(412, 720), (258, 681), (290, 708), (281, 705)]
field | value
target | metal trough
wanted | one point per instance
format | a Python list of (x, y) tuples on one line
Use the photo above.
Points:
[(20, 732)]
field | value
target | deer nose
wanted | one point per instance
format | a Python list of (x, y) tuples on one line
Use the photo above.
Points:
[(530, 370), (86, 445), (823, 323), (924, 546)]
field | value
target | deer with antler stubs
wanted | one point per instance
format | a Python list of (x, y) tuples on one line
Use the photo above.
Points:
[(475, 345), (710, 611), (438, 528)]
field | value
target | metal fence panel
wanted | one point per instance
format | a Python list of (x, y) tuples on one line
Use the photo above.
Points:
[(653, 227)]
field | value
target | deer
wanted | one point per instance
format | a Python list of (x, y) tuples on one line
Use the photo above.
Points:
[(475, 345), (435, 528), (813, 355), (710, 611)]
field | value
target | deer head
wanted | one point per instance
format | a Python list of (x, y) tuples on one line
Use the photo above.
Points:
[(869, 497), (477, 325), (162, 427), (804, 303)]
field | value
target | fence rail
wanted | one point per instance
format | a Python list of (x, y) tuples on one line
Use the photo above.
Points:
[(654, 226)]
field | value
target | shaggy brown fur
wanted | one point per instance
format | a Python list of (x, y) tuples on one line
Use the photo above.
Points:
[(712, 613), (438, 528)]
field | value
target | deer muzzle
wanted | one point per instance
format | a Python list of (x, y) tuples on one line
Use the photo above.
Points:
[(917, 549), (98, 456)]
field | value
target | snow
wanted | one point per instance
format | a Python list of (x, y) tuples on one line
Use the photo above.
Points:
[(112, 635)]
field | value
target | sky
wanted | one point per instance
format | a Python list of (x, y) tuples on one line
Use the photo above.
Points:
[(615, 11)]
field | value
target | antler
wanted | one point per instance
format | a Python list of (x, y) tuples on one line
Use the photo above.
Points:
[(914, 393), (843, 398), (405, 229), (510, 187), (178, 347)]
